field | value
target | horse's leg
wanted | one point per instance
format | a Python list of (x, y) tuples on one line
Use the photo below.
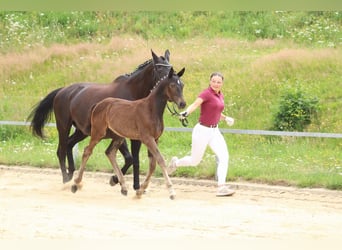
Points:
[(152, 146), (150, 171), (63, 132), (127, 156), (135, 148), (76, 137), (111, 154), (88, 150), (128, 162)]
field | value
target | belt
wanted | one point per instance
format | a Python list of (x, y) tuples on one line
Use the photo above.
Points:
[(208, 126)]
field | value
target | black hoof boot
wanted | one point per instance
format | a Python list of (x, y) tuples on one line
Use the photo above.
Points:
[(113, 180), (136, 186), (66, 178)]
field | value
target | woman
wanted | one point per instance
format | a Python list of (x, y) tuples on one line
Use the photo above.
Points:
[(206, 132)]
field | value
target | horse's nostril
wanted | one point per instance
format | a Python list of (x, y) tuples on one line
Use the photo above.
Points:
[(182, 105)]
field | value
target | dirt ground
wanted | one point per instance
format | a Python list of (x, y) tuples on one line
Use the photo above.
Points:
[(34, 204)]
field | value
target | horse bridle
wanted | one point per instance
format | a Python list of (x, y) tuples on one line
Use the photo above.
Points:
[(163, 64), (173, 112), (163, 77)]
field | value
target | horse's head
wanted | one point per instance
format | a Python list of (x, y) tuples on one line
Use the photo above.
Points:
[(175, 88), (161, 65)]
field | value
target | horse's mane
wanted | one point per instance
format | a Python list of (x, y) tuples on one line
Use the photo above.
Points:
[(141, 66)]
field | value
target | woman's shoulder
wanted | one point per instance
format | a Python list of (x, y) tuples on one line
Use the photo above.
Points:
[(205, 91)]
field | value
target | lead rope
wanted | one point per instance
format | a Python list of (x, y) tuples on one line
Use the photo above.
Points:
[(183, 119)]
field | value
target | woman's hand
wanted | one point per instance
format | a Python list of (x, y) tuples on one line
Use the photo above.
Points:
[(229, 121)]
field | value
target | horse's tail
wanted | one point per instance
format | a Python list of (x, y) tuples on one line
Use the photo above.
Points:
[(41, 113)]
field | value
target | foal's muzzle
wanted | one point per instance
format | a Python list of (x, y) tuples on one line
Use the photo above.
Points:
[(182, 104)]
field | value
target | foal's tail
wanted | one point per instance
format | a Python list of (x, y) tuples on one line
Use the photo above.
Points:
[(41, 113)]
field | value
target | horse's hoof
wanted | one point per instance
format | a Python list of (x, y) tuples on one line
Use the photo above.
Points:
[(113, 180), (70, 176), (139, 193), (74, 188), (66, 179), (124, 192)]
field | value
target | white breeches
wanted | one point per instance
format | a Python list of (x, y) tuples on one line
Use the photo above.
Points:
[(202, 137)]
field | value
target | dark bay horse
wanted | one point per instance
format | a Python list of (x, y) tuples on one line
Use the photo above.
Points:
[(72, 106), (138, 120)]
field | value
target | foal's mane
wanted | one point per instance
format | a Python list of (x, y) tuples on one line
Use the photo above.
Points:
[(158, 83)]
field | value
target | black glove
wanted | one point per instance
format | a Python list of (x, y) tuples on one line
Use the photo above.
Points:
[(183, 115)]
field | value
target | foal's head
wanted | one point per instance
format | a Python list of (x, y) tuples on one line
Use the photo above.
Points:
[(175, 87)]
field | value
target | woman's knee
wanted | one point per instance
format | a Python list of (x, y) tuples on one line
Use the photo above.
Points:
[(195, 161)]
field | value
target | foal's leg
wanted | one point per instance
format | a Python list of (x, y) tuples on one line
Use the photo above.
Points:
[(162, 164), (153, 149), (111, 154), (88, 150), (152, 167), (128, 162)]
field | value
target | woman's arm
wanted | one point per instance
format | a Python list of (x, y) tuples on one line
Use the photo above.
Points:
[(192, 107)]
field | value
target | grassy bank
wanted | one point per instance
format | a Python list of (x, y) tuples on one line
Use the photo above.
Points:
[(258, 70)]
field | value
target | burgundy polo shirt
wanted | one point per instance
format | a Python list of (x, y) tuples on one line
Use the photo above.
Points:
[(212, 107)]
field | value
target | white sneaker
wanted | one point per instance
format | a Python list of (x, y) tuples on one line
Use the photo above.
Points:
[(224, 191), (172, 166)]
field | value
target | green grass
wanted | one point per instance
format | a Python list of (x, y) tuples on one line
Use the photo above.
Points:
[(258, 67), (303, 162), (29, 29)]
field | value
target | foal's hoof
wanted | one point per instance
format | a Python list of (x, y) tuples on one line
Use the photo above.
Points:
[(172, 194), (124, 192), (139, 193), (113, 180), (74, 188)]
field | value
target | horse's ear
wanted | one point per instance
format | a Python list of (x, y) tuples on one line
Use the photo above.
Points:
[(167, 55), (180, 73), (154, 56), (171, 72)]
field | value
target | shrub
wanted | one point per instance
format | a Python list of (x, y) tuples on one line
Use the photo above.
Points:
[(296, 111)]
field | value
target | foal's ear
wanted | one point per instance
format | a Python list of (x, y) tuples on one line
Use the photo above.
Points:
[(167, 55), (180, 73)]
